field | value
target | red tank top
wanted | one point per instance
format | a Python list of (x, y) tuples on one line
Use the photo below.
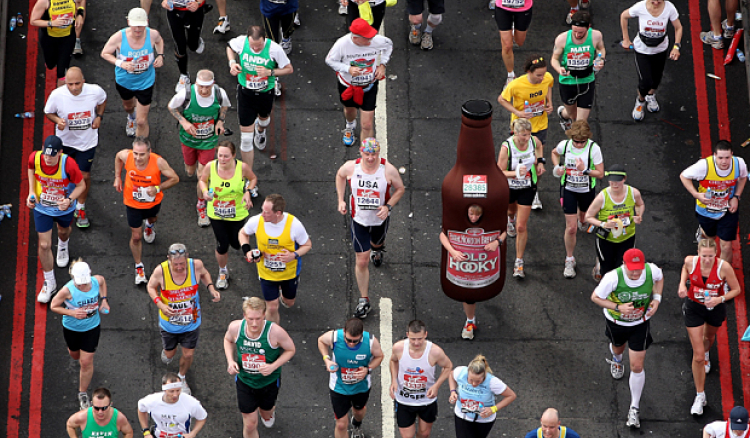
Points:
[(714, 284)]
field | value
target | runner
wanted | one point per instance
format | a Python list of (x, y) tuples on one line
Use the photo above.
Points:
[(55, 182), (282, 241), (615, 212), (630, 296), (354, 353), (226, 184), (577, 55), (651, 48), (135, 52), (370, 179), (470, 307), (578, 163), (80, 301), (534, 88), (414, 387), (255, 350), (185, 19), (142, 193), (551, 427), (223, 25), (415, 8), (474, 388), (99, 420), (521, 159), (175, 412), (359, 59), (575, 6), (721, 180), (278, 22), (262, 61), (201, 123), (173, 287), (713, 37), (711, 284), (77, 110), (374, 11), (55, 20), (736, 423), (513, 18)]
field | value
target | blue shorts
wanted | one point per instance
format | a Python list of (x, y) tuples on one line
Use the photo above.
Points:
[(84, 159), (271, 289), (364, 237), (44, 222)]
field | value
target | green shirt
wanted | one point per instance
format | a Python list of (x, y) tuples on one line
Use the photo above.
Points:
[(248, 77), (625, 211), (578, 59), (640, 296), (253, 352), (204, 119), (93, 430)]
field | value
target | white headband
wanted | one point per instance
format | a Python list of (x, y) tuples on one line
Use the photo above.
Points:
[(173, 385), (199, 81)]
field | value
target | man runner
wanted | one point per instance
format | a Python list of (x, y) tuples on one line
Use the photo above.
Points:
[(551, 427), (175, 412), (100, 420)]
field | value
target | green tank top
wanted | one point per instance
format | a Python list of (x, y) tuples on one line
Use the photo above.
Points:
[(624, 211), (527, 157), (94, 430), (578, 180), (639, 296), (204, 120), (248, 78), (578, 59), (253, 352), (227, 202)]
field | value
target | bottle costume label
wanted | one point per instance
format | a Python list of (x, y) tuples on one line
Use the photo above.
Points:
[(481, 268)]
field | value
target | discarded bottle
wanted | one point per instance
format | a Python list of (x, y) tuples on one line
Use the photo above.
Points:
[(740, 55), (19, 20), (6, 210), (26, 115), (12, 24)]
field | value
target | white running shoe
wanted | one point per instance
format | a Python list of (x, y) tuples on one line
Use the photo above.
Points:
[(296, 19), (565, 123), (201, 47), (651, 104), (518, 271), (633, 418), (570, 269), (83, 400), (342, 9), (286, 44), (427, 41), (254, 192), (569, 18), (223, 25), (536, 204), (140, 275), (46, 293), (584, 4), (270, 422), (259, 139), (698, 403), (203, 220), (468, 331), (130, 127), (149, 233), (182, 84), (616, 368), (63, 257), (728, 31), (186, 387), (638, 113), (277, 88), (707, 364), (222, 281), (166, 360), (511, 229), (596, 273), (78, 51), (415, 35)]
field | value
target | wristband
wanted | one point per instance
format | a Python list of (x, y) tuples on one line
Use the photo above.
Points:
[(738, 197), (494, 409), (326, 357), (232, 62), (677, 46), (453, 390), (586, 172), (118, 63), (617, 308), (146, 432), (159, 54), (657, 297), (246, 248), (101, 116), (723, 298), (209, 285), (157, 300), (103, 298), (80, 11), (296, 255)]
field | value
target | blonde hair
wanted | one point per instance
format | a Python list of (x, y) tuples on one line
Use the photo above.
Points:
[(579, 128), (253, 303), (70, 268), (475, 209), (521, 125), (479, 365), (707, 243)]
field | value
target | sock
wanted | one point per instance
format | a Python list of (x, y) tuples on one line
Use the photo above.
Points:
[(352, 124), (131, 116), (511, 219), (618, 357), (149, 224), (429, 28), (224, 17), (519, 260), (570, 259), (471, 320), (364, 299), (62, 245), (49, 277), (80, 206), (180, 376), (201, 203), (511, 74), (417, 26), (223, 270), (637, 382), (702, 394), (139, 265), (356, 423)]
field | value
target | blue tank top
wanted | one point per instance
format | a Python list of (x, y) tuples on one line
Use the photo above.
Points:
[(269, 8), (144, 74), (473, 399), (349, 359), (88, 301)]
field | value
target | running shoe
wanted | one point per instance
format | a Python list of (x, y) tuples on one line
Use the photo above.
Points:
[(536, 204), (711, 40), (296, 19), (518, 270), (492, 5), (222, 281), (415, 35), (130, 127), (349, 138), (426, 41), (223, 25), (698, 234), (508, 80), (570, 269), (269, 423), (46, 293), (140, 275), (186, 387), (356, 432), (596, 273), (565, 122), (698, 403), (182, 84), (83, 400), (651, 104), (633, 418), (63, 257), (616, 368), (707, 363), (282, 302), (166, 360), (363, 308), (277, 87), (254, 192), (259, 139), (728, 30), (512, 229), (638, 113), (286, 44), (376, 257), (569, 18), (584, 227), (201, 47), (82, 220), (78, 51), (342, 9), (203, 220), (468, 331), (149, 233)]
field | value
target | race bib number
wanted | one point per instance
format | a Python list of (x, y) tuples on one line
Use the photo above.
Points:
[(536, 108), (274, 263), (251, 362), (67, 18), (90, 309), (513, 4), (140, 194), (700, 294), (278, 2), (717, 205), (475, 186), (51, 195), (415, 384), (635, 316), (165, 434), (578, 61), (140, 64), (79, 121), (180, 3), (368, 199), (366, 77), (516, 183), (348, 376), (184, 313), (256, 83), (470, 406), (576, 178), (204, 130), (225, 209)]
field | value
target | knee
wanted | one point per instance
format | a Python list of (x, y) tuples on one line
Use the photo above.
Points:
[(367, 124), (87, 361), (636, 368), (246, 142), (342, 424), (188, 353), (272, 306), (45, 246), (699, 355), (571, 231), (250, 422), (141, 120), (521, 228), (135, 236), (363, 261)]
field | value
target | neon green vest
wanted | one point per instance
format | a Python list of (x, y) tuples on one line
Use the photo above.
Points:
[(640, 296), (227, 202), (578, 59), (624, 211)]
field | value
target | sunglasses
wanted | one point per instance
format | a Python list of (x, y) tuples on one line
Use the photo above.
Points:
[(579, 141), (177, 252), (100, 408), (352, 341)]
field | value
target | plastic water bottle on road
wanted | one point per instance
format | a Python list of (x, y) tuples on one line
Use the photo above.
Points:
[(26, 115), (12, 24), (740, 55)]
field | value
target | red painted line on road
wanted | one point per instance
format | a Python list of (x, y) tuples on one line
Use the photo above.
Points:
[(740, 307), (699, 70), (282, 104), (722, 112)]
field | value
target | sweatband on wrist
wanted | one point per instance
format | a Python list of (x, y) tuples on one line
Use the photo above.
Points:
[(657, 297), (118, 63), (246, 248), (173, 385), (157, 300), (494, 409)]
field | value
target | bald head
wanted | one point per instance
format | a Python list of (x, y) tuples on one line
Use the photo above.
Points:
[(74, 80), (550, 423), (551, 414)]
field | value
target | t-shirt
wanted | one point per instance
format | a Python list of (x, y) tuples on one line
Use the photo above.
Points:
[(172, 418), (274, 51), (718, 429), (497, 387), (650, 26), (609, 284), (569, 433), (178, 99), (699, 170), (79, 112), (298, 232), (345, 54), (514, 5), (71, 168), (521, 90)]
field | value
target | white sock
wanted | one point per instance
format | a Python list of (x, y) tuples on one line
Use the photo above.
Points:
[(701, 394), (511, 74), (139, 265), (80, 206), (223, 270), (637, 382), (149, 224), (618, 357), (62, 245), (519, 260), (49, 277), (511, 219), (131, 116), (180, 376), (429, 28), (471, 320), (570, 259), (417, 26), (352, 124)]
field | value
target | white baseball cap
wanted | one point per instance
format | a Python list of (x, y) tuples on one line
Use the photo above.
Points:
[(81, 273), (137, 17)]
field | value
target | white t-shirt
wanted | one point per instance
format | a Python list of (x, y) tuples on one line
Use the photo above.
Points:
[(298, 232), (274, 51), (497, 387), (698, 171), (651, 26), (574, 176), (609, 284), (79, 112), (345, 54), (172, 419), (179, 99), (718, 429)]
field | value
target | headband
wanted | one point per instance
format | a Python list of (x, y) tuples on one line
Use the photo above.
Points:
[(173, 385), (199, 81), (580, 23), (615, 172)]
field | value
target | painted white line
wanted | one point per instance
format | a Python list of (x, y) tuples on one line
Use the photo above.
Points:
[(381, 119), (386, 342)]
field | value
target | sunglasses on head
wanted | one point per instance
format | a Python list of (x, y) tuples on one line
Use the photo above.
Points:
[(100, 408), (177, 252)]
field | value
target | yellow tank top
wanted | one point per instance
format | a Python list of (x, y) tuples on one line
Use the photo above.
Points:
[(721, 187), (272, 268), (61, 9), (181, 298)]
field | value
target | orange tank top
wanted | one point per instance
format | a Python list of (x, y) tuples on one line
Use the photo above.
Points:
[(137, 181)]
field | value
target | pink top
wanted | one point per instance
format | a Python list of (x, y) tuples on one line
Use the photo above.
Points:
[(514, 5)]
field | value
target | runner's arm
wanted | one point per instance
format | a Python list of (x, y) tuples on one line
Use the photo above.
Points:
[(727, 273), (599, 44), (120, 159), (341, 177), (396, 182), (304, 248), (557, 53), (109, 50), (169, 173), (508, 396), (123, 425), (36, 14), (144, 419), (396, 353), (377, 354), (684, 275), (502, 162), (640, 206), (205, 278), (593, 211), (675, 52), (507, 105), (285, 342), (229, 346), (75, 422), (446, 366), (158, 48), (325, 343), (103, 304), (195, 428)]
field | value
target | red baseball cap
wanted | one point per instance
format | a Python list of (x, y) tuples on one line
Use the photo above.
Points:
[(634, 259), (360, 27)]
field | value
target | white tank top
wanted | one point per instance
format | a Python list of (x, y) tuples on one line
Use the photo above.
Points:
[(415, 377), (369, 192)]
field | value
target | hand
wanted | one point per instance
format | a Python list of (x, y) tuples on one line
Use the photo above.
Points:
[(652, 308), (392, 391), (432, 392), (79, 314), (674, 55), (247, 201), (331, 366), (344, 3), (362, 373), (158, 61), (79, 21), (637, 219), (563, 72), (682, 290), (61, 125), (608, 224), (540, 169), (249, 257), (383, 212), (453, 398), (579, 164), (522, 170), (286, 256), (558, 171), (127, 66), (712, 302), (235, 69), (207, 196), (626, 308), (29, 202), (701, 197), (262, 71), (486, 412), (151, 190), (734, 204), (192, 6), (266, 369), (216, 295), (165, 5), (342, 207), (491, 246), (97, 122), (166, 310), (523, 114), (104, 306), (355, 71), (548, 108), (458, 256), (219, 129), (64, 204), (599, 63), (233, 368), (61, 22), (380, 72), (626, 44), (118, 184), (189, 127)]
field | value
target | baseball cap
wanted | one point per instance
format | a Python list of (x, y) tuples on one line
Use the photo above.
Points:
[(634, 259), (370, 145), (616, 172), (137, 17), (361, 28), (738, 417), (52, 145), (81, 273)]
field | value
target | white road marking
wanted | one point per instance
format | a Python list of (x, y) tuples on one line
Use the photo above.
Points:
[(386, 342), (381, 119)]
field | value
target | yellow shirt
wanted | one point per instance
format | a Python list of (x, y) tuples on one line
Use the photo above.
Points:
[(272, 268), (521, 90), (61, 9)]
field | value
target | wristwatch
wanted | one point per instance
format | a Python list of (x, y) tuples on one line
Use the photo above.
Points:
[(390, 207)]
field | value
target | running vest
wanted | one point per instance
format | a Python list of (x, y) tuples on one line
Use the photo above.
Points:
[(471, 400), (578, 59), (714, 285), (272, 268), (369, 192), (528, 159), (248, 77), (64, 10), (49, 189), (204, 119), (625, 211), (415, 377), (572, 176), (144, 74), (88, 301), (349, 359), (721, 189), (183, 299), (251, 353), (639, 296), (227, 202), (563, 431), (134, 192), (93, 430)]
